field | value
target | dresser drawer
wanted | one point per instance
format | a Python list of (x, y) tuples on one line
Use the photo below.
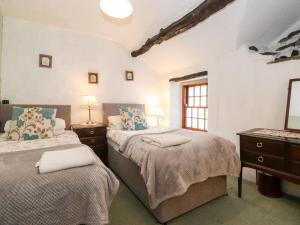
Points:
[(294, 152), (295, 167), (91, 132), (259, 145), (272, 162), (99, 140)]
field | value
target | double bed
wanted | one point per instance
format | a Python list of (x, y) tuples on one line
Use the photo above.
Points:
[(129, 157), (79, 195)]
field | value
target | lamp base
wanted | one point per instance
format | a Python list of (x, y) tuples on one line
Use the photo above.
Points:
[(90, 123)]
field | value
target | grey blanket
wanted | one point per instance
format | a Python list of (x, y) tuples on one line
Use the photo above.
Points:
[(74, 196), (168, 172)]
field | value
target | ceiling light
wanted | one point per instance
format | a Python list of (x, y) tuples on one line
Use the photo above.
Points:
[(116, 8)]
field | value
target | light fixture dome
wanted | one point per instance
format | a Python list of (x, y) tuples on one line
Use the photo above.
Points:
[(116, 8)]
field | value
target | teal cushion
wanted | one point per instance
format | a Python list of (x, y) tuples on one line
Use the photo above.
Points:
[(133, 119), (32, 123)]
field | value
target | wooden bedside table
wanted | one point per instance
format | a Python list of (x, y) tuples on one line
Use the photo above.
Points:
[(94, 136)]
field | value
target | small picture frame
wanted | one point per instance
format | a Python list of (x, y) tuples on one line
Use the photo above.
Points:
[(45, 61), (93, 78), (129, 75)]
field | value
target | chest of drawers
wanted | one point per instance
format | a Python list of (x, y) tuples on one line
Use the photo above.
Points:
[(94, 136), (277, 156)]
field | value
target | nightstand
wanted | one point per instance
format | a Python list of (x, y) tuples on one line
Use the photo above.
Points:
[(94, 136)]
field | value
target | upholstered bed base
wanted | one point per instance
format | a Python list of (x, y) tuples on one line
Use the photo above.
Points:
[(198, 194)]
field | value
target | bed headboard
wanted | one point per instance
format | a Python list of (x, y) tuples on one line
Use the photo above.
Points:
[(63, 112), (112, 109)]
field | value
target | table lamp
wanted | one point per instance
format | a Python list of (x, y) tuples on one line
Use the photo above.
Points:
[(157, 112), (89, 102)]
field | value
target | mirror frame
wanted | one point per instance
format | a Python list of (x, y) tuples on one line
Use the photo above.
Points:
[(288, 106)]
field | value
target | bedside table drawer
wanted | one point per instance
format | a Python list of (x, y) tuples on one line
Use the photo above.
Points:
[(272, 162), (93, 140), (91, 132), (259, 145)]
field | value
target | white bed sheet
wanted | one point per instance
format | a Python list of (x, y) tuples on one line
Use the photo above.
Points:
[(118, 137), (69, 137)]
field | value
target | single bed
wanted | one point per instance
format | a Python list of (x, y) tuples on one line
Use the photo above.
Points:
[(80, 195), (130, 172)]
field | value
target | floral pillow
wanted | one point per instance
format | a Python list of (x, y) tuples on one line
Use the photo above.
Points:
[(32, 123), (133, 119)]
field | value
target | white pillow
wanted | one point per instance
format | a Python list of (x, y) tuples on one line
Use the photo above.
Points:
[(7, 126), (115, 122), (60, 126)]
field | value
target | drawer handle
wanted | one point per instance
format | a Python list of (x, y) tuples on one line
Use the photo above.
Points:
[(259, 145), (93, 140), (260, 159), (92, 132)]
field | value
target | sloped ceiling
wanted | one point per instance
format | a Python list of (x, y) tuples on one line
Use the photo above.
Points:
[(265, 20), (86, 16), (242, 22)]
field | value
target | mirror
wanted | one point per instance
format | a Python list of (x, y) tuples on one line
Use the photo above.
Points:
[(292, 120)]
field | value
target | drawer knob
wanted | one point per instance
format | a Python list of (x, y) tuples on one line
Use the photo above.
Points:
[(259, 144), (92, 132), (260, 159), (92, 140)]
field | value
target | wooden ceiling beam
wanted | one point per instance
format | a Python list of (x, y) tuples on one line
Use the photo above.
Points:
[(189, 77), (199, 14)]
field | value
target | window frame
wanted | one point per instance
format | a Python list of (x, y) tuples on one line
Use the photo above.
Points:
[(185, 96)]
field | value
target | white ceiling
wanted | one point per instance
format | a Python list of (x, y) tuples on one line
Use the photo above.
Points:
[(86, 16), (265, 20), (242, 22)]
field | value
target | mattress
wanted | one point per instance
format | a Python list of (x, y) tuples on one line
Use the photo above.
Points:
[(69, 137), (198, 194), (170, 171)]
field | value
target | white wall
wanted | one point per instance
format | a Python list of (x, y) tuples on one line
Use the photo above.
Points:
[(1, 41), (244, 93), (74, 55)]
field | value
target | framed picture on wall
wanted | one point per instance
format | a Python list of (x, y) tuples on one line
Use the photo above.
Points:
[(45, 61), (129, 75), (93, 78)]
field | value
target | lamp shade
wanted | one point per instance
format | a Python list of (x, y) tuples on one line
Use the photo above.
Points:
[(89, 102), (156, 111), (116, 8)]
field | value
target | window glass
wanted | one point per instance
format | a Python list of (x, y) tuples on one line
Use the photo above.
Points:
[(189, 122), (203, 90), (189, 112), (191, 101), (191, 91), (206, 113), (195, 113), (197, 101), (195, 123), (201, 124), (201, 113), (203, 102), (197, 90), (195, 107)]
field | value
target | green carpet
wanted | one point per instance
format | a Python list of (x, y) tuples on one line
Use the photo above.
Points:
[(252, 209)]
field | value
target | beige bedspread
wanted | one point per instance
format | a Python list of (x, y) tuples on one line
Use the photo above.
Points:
[(168, 172)]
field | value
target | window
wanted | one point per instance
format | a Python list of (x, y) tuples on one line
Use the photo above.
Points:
[(194, 107)]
